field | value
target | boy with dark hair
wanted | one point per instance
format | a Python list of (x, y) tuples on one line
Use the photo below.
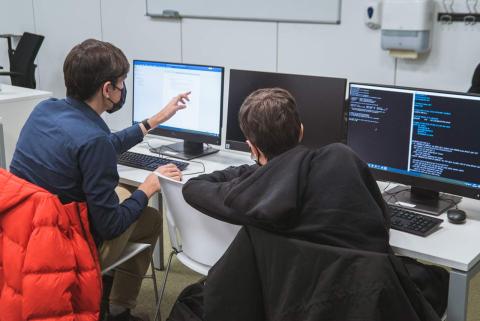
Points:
[(66, 148), (326, 196)]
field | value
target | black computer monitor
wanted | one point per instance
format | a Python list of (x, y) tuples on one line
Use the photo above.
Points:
[(156, 83), (426, 139), (320, 104)]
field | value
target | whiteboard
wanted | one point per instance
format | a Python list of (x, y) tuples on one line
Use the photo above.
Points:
[(309, 11)]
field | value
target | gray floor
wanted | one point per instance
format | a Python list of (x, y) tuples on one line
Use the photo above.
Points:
[(178, 278), (181, 276)]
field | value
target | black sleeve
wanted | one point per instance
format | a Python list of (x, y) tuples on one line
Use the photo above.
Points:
[(207, 193)]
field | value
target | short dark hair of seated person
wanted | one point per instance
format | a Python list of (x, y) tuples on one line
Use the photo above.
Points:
[(475, 88), (269, 119), (89, 64)]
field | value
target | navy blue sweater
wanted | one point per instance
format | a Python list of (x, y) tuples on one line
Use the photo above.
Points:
[(66, 148)]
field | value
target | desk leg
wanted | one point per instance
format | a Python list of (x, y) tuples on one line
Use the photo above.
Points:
[(457, 296), (158, 252), (162, 236)]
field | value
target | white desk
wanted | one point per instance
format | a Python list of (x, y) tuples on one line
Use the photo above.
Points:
[(16, 104), (453, 246), (213, 162)]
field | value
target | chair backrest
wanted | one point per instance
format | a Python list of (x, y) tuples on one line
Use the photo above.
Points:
[(130, 250), (200, 237), (3, 163), (23, 60)]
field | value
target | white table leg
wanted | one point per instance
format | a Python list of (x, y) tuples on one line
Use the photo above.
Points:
[(458, 293), (457, 296)]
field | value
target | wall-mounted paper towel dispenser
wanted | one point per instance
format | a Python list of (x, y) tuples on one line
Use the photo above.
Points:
[(406, 27)]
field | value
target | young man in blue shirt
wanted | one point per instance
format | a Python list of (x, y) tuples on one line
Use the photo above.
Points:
[(66, 148)]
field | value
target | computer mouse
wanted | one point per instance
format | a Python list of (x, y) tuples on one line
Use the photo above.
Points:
[(456, 216)]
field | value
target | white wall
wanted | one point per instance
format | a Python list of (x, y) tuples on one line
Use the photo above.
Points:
[(348, 50), (64, 23), (455, 54), (140, 37), (15, 18)]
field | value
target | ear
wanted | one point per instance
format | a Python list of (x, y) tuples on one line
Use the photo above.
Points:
[(300, 137), (107, 89), (253, 149)]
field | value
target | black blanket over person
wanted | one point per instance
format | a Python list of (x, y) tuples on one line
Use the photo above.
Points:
[(306, 200), (326, 196)]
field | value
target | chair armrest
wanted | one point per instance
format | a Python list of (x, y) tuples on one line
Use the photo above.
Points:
[(10, 73), (9, 35)]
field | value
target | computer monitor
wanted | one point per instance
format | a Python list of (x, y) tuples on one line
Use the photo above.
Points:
[(423, 138), (320, 104), (156, 83)]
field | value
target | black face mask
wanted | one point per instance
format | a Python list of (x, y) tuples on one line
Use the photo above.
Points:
[(119, 104)]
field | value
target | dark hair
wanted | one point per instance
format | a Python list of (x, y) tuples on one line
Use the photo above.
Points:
[(90, 64), (269, 119), (475, 89)]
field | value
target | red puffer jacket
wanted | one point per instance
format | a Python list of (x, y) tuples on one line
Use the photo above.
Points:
[(49, 267)]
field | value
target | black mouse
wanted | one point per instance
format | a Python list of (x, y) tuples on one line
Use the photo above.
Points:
[(456, 216)]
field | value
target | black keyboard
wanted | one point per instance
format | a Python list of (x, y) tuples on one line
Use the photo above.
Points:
[(411, 222), (147, 162)]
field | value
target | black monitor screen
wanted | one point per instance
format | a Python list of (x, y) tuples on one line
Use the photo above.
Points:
[(320, 104), (156, 83), (417, 137)]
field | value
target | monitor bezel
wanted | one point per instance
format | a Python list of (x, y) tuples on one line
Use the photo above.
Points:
[(180, 134), (242, 146), (415, 181)]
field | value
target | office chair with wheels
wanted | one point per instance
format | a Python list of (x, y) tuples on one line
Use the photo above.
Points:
[(198, 241), (22, 67)]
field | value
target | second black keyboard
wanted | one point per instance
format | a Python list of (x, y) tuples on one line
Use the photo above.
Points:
[(411, 222), (147, 162)]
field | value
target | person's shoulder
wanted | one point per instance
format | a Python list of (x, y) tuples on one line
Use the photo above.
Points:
[(74, 124), (46, 104), (337, 148), (337, 154)]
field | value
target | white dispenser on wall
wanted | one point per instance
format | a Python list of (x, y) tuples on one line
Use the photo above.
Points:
[(373, 14), (406, 27)]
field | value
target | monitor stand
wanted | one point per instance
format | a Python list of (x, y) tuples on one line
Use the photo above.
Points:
[(421, 200), (186, 150)]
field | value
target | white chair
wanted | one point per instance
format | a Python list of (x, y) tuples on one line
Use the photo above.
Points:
[(197, 240), (131, 250)]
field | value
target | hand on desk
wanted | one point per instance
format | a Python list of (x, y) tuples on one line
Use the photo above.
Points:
[(151, 185), (177, 103), (171, 171)]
